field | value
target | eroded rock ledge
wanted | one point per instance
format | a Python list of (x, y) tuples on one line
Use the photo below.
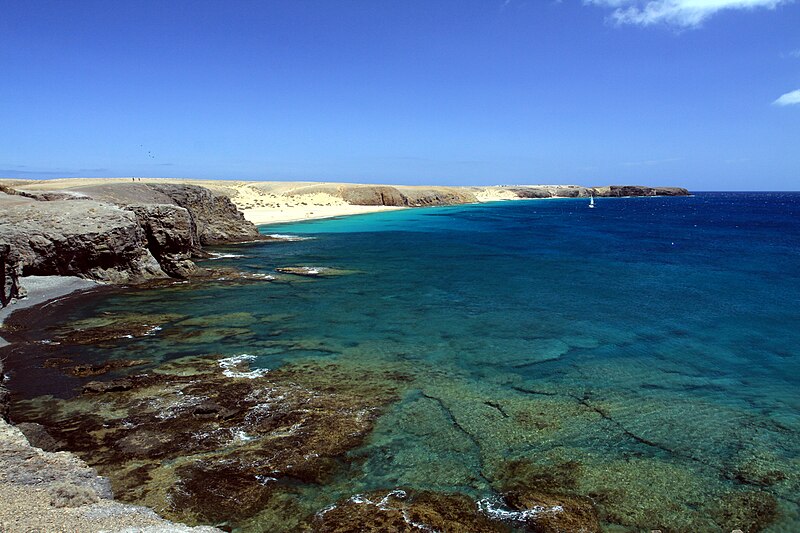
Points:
[(117, 233)]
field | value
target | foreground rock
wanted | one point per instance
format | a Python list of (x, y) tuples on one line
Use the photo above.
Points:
[(42, 491), (215, 441), (77, 237)]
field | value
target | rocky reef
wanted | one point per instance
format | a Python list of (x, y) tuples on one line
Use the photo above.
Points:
[(117, 233), (45, 491), (208, 440)]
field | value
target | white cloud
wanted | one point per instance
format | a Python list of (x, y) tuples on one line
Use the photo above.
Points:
[(790, 98), (681, 13)]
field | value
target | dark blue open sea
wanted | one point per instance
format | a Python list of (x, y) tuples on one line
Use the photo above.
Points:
[(652, 343)]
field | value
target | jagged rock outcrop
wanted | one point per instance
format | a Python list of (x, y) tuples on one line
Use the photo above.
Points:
[(117, 232), (171, 237), (10, 272), (77, 237), (216, 218)]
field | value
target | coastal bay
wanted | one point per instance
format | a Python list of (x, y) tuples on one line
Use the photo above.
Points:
[(513, 383)]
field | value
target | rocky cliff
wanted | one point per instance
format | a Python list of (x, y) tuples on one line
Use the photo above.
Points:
[(77, 237), (574, 191), (117, 233), (638, 190), (405, 196)]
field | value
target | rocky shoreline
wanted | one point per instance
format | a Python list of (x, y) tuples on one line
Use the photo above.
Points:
[(55, 243), (135, 232), (268, 202)]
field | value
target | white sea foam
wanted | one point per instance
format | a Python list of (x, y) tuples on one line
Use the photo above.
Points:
[(290, 238), (239, 435), (494, 509), (215, 256), (231, 367), (383, 505), (322, 512)]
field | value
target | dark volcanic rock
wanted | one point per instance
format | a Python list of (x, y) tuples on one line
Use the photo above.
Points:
[(78, 237), (422, 196), (216, 218), (171, 236), (111, 327), (113, 232), (117, 385), (104, 368), (638, 190), (407, 197), (10, 272), (531, 192), (38, 436)]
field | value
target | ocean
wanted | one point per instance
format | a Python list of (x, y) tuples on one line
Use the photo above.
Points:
[(642, 354)]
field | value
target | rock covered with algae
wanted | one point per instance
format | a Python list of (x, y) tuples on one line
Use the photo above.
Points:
[(213, 441), (405, 510)]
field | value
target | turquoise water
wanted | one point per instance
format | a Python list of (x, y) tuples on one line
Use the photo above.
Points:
[(651, 344)]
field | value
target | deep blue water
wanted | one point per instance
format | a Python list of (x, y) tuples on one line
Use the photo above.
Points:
[(678, 319)]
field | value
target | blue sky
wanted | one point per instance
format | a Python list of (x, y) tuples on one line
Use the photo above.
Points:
[(697, 93)]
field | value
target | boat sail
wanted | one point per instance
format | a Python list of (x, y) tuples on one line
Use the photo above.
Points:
[(591, 201)]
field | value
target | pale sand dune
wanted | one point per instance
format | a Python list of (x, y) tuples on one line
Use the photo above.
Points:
[(270, 202)]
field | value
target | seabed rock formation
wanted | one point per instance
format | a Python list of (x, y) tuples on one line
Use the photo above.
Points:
[(213, 441)]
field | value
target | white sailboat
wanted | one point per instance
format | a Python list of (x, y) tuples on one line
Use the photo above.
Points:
[(591, 202)]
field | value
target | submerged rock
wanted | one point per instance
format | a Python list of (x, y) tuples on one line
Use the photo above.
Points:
[(88, 370), (112, 327), (404, 511), (312, 272), (202, 446), (544, 512)]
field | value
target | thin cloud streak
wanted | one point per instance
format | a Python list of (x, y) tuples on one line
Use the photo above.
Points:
[(790, 98), (680, 13)]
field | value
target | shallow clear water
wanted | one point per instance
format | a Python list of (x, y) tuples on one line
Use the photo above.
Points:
[(652, 341)]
